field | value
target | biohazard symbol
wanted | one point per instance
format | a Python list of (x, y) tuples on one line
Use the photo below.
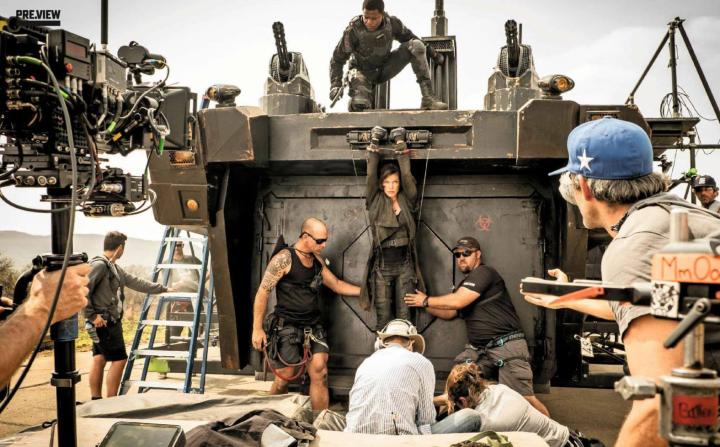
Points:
[(484, 223)]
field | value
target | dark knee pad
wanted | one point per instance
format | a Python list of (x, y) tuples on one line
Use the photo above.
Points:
[(416, 47), (361, 93)]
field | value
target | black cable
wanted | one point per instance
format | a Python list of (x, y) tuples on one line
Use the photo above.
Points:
[(68, 100), (145, 93), (31, 210), (8, 174), (693, 106), (95, 169), (150, 205), (71, 228)]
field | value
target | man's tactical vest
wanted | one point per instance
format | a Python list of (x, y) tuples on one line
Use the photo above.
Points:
[(374, 47)]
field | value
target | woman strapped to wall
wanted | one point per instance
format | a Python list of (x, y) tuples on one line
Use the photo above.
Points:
[(392, 269)]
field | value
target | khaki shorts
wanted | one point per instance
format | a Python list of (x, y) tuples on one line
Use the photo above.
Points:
[(509, 364), (626, 313)]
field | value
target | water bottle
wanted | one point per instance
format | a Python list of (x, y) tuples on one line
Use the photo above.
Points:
[(92, 331)]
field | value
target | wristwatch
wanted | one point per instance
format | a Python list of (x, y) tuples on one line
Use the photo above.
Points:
[(425, 301)]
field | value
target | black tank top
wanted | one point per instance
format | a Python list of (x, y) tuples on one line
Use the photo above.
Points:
[(298, 293)]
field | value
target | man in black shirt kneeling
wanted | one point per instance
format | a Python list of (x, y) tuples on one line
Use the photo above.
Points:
[(493, 327)]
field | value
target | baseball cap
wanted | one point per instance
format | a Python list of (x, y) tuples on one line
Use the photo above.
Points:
[(610, 149), (467, 242), (703, 180), (403, 328)]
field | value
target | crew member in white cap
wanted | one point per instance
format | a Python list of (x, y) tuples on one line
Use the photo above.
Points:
[(393, 391)]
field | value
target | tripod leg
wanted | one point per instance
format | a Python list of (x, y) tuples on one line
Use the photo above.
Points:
[(630, 99), (694, 58)]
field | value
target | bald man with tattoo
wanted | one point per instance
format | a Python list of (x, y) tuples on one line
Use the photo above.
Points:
[(296, 273)]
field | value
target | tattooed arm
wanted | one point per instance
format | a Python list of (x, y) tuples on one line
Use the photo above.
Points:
[(278, 267)]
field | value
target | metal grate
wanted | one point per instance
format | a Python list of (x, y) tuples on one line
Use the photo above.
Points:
[(182, 159)]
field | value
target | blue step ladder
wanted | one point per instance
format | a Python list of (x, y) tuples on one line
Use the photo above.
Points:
[(202, 301)]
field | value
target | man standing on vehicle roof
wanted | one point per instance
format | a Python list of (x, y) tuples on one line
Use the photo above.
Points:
[(367, 42), (293, 335)]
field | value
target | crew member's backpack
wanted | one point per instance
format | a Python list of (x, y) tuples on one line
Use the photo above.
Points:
[(485, 439)]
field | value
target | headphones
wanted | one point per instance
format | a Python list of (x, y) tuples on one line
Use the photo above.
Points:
[(411, 330)]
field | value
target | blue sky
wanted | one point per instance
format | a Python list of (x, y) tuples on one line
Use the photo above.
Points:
[(603, 46)]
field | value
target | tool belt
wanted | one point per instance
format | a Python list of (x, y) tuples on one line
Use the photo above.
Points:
[(499, 341), (399, 242), (277, 330), (496, 343)]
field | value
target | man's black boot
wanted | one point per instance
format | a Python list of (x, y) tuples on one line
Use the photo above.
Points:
[(429, 101)]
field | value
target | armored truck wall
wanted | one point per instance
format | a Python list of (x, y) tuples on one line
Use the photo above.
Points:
[(255, 177)]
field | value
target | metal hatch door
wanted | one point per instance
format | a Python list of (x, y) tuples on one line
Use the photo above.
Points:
[(502, 212)]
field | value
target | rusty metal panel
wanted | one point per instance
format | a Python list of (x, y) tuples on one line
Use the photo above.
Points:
[(623, 112), (456, 134), (575, 243), (227, 318), (234, 253), (171, 206), (543, 127), (234, 134)]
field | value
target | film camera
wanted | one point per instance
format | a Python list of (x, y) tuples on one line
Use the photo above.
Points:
[(109, 111), (63, 104)]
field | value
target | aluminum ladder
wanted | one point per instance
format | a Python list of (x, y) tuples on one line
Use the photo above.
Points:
[(202, 301)]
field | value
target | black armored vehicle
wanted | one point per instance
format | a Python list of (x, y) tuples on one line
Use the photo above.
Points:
[(256, 172)]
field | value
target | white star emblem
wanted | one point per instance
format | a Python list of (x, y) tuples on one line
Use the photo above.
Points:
[(585, 161)]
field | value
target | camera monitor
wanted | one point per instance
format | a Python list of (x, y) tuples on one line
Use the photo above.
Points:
[(142, 434)]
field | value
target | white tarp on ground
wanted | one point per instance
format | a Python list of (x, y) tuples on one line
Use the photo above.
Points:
[(191, 410), (201, 407)]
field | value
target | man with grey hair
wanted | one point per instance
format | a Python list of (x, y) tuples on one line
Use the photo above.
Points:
[(610, 178)]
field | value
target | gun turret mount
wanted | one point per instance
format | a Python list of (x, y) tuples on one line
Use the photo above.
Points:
[(287, 89)]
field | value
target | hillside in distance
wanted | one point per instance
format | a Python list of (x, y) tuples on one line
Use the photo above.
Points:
[(23, 247)]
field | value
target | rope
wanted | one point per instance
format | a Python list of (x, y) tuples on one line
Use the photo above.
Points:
[(302, 364), (422, 195)]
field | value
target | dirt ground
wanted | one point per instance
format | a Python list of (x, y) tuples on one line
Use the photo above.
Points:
[(598, 413)]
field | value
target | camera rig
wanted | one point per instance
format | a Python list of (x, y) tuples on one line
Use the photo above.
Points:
[(64, 103), (110, 111)]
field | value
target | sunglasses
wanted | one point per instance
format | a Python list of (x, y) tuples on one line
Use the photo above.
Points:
[(464, 254), (317, 241)]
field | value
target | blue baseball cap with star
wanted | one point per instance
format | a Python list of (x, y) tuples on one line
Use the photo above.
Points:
[(609, 149)]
